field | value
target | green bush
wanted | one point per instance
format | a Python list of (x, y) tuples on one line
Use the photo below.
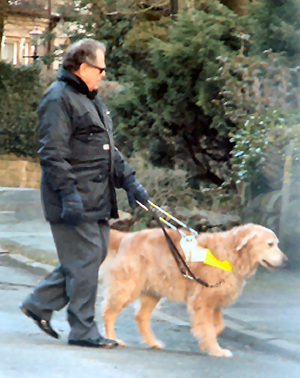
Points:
[(259, 150), (165, 111), (275, 24), (20, 94), (261, 97)]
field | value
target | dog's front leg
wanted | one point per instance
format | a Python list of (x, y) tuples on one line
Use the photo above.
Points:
[(218, 321), (203, 328), (142, 317)]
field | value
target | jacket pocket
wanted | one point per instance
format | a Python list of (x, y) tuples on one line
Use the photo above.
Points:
[(95, 194), (86, 119), (86, 126)]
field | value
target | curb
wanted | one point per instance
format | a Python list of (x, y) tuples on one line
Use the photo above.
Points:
[(30, 265), (237, 332)]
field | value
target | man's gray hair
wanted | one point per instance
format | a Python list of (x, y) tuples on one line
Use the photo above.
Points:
[(82, 51)]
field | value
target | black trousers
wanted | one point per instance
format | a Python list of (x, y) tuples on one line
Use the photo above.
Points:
[(81, 250)]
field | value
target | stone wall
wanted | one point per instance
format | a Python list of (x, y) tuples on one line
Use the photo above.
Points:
[(18, 172)]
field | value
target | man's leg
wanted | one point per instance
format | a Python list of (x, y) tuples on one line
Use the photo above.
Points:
[(50, 295), (47, 297), (81, 251)]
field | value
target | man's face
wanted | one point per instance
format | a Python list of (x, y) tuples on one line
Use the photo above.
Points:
[(91, 74)]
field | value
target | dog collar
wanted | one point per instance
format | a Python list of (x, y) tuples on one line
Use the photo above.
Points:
[(194, 253)]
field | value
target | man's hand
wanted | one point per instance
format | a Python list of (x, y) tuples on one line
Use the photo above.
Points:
[(135, 191), (73, 210), (131, 200)]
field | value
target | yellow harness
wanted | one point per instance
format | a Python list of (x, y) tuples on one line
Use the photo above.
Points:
[(210, 259)]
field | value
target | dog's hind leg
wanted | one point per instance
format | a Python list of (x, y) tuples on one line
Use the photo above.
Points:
[(218, 321), (147, 305)]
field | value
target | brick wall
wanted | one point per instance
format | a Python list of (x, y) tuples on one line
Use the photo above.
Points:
[(19, 173)]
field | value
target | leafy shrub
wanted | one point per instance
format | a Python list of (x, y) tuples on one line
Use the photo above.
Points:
[(170, 190), (275, 24), (262, 98), (20, 94), (259, 150)]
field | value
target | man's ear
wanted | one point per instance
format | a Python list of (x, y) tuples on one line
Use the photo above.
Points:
[(81, 72)]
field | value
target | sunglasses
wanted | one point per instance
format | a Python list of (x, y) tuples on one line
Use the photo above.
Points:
[(98, 68)]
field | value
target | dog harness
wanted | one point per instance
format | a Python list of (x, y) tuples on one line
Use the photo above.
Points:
[(195, 253), (180, 260)]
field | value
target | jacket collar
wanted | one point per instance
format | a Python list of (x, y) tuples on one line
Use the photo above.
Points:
[(75, 82)]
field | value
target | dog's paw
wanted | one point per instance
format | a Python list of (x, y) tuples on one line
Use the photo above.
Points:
[(156, 344), (121, 342), (221, 353)]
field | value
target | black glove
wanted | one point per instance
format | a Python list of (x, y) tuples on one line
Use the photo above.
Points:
[(73, 210), (131, 200), (135, 191)]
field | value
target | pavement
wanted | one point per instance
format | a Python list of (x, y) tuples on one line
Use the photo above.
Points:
[(266, 317)]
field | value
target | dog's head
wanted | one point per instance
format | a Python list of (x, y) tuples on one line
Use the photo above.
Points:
[(254, 245)]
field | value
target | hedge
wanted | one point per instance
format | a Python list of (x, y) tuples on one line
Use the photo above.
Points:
[(20, 94)]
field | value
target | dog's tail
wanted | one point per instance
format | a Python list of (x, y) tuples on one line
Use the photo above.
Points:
[(115, 239)]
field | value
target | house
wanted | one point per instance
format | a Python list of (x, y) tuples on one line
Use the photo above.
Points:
[(26, 19)]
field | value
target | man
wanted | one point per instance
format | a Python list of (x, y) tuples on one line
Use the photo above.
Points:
[(80, 169)]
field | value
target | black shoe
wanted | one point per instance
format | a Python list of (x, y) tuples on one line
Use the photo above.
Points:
[(43, 324), (101, 342)]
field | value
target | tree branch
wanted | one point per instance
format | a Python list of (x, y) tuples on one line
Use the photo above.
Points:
[(205, 172), (151, 7)]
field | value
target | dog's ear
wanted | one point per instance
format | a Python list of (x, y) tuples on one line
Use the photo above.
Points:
[(245, 240), (243, 262)]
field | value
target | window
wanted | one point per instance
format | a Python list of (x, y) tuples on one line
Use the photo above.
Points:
[(8, 52)]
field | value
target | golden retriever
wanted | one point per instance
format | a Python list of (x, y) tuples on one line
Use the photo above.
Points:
[(142, 267)]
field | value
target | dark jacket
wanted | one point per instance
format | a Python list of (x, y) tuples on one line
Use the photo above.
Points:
[(77, 150)]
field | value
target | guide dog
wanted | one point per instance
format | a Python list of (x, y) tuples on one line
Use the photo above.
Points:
[(142, 267)]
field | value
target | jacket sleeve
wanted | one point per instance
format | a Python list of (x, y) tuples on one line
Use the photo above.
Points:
[(54, 132), (121, 169)]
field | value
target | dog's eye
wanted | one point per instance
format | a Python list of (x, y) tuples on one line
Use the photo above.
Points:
[(270, 244)]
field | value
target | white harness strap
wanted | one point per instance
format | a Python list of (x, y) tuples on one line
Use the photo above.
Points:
[(193, 253)]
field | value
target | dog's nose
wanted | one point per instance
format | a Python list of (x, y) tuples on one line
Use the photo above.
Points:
[(285, 261)]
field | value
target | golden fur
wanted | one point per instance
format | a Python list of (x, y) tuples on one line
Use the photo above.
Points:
[(142, 267)]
